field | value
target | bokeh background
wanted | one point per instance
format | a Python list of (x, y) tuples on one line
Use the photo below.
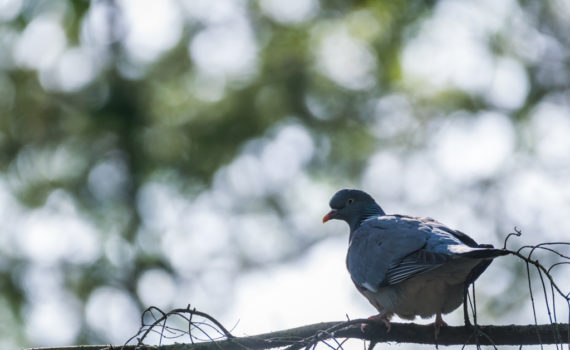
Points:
[(162, 152)]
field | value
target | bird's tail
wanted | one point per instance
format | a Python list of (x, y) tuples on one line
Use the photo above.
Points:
[(486, 252)]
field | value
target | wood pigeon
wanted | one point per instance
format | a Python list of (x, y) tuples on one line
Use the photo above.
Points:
[(408, 266)]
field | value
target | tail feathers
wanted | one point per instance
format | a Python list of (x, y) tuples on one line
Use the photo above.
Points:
[(477, 271), (486, 252)]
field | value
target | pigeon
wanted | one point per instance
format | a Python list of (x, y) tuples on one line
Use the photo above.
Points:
[(404, 265)]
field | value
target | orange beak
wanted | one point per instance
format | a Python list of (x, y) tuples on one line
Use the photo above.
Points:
[(330, 215)]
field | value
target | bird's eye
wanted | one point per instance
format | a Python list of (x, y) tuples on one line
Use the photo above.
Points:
[(350, 201)]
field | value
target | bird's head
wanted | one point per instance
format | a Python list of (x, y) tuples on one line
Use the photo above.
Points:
[(352, 206)]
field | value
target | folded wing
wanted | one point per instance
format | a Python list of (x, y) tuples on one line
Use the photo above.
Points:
[(391, 249)]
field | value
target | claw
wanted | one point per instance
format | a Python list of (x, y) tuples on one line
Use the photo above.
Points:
[(383, 317)]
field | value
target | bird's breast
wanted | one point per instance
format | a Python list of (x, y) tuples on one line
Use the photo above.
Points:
[(424, 295)]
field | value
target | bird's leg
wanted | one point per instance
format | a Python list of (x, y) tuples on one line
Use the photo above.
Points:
[(438, 323), (383, 317)]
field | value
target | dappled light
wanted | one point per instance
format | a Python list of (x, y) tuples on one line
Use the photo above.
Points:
[(177, 152)]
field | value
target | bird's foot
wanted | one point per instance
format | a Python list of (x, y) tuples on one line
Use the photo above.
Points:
[(381, 317), (439, 322)]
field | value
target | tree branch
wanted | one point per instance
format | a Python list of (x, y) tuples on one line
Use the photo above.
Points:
[(301, 337)]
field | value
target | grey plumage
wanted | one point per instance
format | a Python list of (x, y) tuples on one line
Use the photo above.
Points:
[(392, 248)]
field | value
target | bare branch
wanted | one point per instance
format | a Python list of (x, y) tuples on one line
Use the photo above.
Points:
[(302, 337)]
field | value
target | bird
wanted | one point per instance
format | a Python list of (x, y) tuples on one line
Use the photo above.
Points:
[(404, 265)]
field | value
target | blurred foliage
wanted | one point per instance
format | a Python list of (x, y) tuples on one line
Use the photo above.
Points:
[(165, 120)]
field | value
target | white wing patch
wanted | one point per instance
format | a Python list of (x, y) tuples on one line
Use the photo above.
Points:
[(459, 249)]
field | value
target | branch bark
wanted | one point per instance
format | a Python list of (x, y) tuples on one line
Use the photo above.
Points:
[(297, 338)]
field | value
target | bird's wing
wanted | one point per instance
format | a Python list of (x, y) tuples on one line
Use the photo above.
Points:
[(390, 249), (463, 237), (379, 245)]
